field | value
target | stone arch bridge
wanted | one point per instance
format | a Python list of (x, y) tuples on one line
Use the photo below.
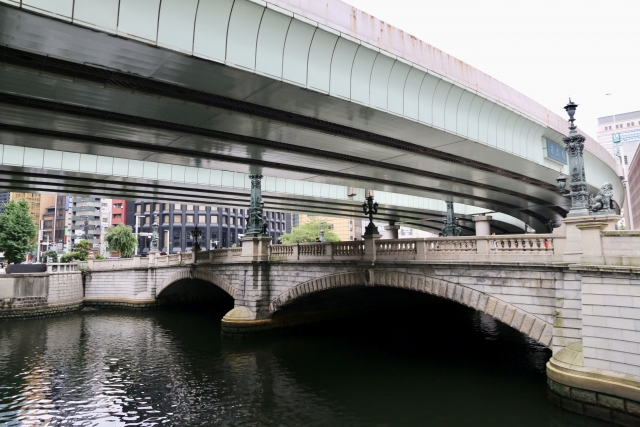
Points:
[(575, 291)]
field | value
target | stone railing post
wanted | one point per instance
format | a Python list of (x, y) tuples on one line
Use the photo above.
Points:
[(482, 248), (152, 259), (194, 256), (328, 251), (210, 253), (136, 261), (370, 247), (421, 250), (591, 234), (296, 252)]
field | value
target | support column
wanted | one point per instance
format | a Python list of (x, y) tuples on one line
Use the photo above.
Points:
[(391, 230), (250, 317), (483, 225)]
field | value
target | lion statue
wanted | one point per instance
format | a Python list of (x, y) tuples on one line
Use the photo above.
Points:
[(603, 200)]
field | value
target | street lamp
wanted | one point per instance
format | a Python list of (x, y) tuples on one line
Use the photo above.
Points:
[(561, 183), (370, 208), (137, 241), (196, 233)]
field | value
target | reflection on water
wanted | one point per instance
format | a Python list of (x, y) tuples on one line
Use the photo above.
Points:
[(439, 365)]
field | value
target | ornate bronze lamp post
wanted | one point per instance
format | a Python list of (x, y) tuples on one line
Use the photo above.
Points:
[(582, 203), (196, 233), (451, 227), (575, 146), (256, 225), (370, 208), (154, 237)]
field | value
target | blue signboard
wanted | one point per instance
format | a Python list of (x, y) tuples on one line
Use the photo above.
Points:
[(556, 152)]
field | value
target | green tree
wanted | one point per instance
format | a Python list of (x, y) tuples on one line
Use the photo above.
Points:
[(81, 250), (50, 254), (309, 232), (121, 239), (17, 231)]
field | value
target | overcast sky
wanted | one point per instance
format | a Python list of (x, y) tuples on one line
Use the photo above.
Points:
[(547, 50)]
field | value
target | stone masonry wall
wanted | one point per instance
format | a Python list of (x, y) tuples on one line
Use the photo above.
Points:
[(129, 284), (529, 287), (568, 321), (611, 318), (65, 287)]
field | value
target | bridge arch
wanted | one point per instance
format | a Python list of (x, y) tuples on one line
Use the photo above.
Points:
[(203, 275), (534, 327)]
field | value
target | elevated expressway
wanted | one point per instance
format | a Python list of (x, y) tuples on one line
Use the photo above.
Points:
[(179, 100)]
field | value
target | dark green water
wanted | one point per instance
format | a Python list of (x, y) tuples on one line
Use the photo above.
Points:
[(439, 365)]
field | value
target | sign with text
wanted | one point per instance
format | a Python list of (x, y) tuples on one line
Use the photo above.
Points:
[(556, 152)]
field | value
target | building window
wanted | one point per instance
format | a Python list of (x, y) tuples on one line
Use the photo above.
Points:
[(214, 209), (176, 239), (117, 216), (189, 207), (177, 219), (177, 207), (232, 220), (138, 208), (202, 219), (225, 220), (117, 205), (189, 219), (241, 222), (214, 219), (48, 224), (165, 219), (167, 206), (625, 160)]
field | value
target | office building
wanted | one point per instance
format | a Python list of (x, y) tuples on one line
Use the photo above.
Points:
[(221, 227), (85, 213), (620, 131), (634, 193), (118, 212), (345, 228), (4, 198), (54, 230)]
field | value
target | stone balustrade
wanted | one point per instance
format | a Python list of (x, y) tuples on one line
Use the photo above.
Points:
[(57, 268), (512, 248), (617, 245)]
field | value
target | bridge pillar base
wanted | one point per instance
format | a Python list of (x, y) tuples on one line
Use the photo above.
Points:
[(256, 248), (241, 323), (593, 392), (575, 241)]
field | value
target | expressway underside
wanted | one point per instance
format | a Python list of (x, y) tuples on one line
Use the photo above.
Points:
[(107, 96)]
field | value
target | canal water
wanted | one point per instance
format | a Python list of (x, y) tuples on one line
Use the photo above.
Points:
[(432, 364)]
